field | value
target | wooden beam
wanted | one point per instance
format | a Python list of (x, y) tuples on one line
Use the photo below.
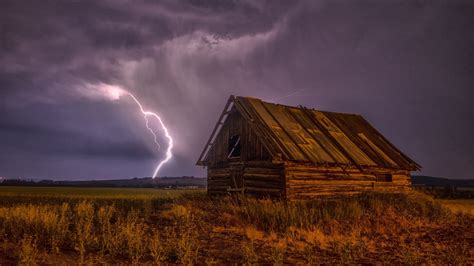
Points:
[(258, 130), (319, 142), (309, 114), (287, 133), (200, 161), (275, 138)]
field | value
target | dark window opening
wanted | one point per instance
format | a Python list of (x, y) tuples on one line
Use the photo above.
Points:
[(384, 178), (234, 147)]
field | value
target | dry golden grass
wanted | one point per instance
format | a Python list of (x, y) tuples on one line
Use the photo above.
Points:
[(28, 252), (253, 233), (194, 229), (459, 206)]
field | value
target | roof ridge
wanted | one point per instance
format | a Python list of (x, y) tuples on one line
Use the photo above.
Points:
[(298, 106)]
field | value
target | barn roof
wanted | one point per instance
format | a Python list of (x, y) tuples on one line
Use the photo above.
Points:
[(307, 135)]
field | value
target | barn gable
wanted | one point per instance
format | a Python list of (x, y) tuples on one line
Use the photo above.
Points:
[(235, 141)]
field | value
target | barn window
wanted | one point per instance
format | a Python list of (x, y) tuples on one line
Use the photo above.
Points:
[(234, 146), (384, 178)]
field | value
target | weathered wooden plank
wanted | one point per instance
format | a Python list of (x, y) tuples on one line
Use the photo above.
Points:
[(216, 188), (264, 164), (331, 182), (320, 170), (213, 183), (218, 170), (290, 165), (260, 184), (401, 177), (330, 178), (263, 176), (342, 189), (263, 190), (304, 168), (214, 176), (262, 179), (263, 170)]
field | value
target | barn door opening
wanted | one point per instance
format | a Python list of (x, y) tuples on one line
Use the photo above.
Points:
[(236, 178)]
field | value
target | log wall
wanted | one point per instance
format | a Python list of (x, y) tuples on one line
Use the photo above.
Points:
[(305, 182), (260, 178), (218, 179), (264, 179), (297, 181)]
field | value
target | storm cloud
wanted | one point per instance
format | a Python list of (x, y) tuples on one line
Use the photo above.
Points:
[(407, 66)]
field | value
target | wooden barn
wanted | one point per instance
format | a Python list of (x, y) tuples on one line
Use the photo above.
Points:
[(270, 149)]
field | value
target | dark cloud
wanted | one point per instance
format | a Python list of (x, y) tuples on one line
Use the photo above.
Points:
[(405, 65), (47, 141), (41, 131)]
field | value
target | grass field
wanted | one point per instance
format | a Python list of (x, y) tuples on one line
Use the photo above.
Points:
[(72, 226), (94, 193), (462, 206)]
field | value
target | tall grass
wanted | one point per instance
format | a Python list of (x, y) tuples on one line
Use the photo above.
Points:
[(83, 225), (183, 234), (157, 248), (104, 230), (47, 223), (182, 230), (279, 216), (28, 251)]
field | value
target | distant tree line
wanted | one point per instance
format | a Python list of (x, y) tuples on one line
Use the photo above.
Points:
[(165, 182), (447, 192)]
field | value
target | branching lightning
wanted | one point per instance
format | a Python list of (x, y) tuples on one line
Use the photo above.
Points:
[(170, 139), (115, 93)]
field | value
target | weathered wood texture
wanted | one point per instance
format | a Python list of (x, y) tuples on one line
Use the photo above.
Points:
[(251, 147), (293, 181), (218, 180), (300, 153), (304, 182), (264, 180), (258, 178), (307, 135)]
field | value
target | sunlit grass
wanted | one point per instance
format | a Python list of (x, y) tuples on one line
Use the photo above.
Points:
[(94, 193), (459, 206), (111, 222), (145, 226)]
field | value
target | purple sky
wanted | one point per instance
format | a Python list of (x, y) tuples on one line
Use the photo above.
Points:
[(406, 66)]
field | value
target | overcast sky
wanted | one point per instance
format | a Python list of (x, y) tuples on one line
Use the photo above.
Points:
[(406, 66)]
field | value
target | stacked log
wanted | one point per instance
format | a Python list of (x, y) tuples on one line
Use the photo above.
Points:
[(264, 180), (304, 182), (218, 180)]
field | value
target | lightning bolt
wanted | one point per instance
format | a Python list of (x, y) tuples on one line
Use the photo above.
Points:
[(147, 124), (146, 114), (114, 93)]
